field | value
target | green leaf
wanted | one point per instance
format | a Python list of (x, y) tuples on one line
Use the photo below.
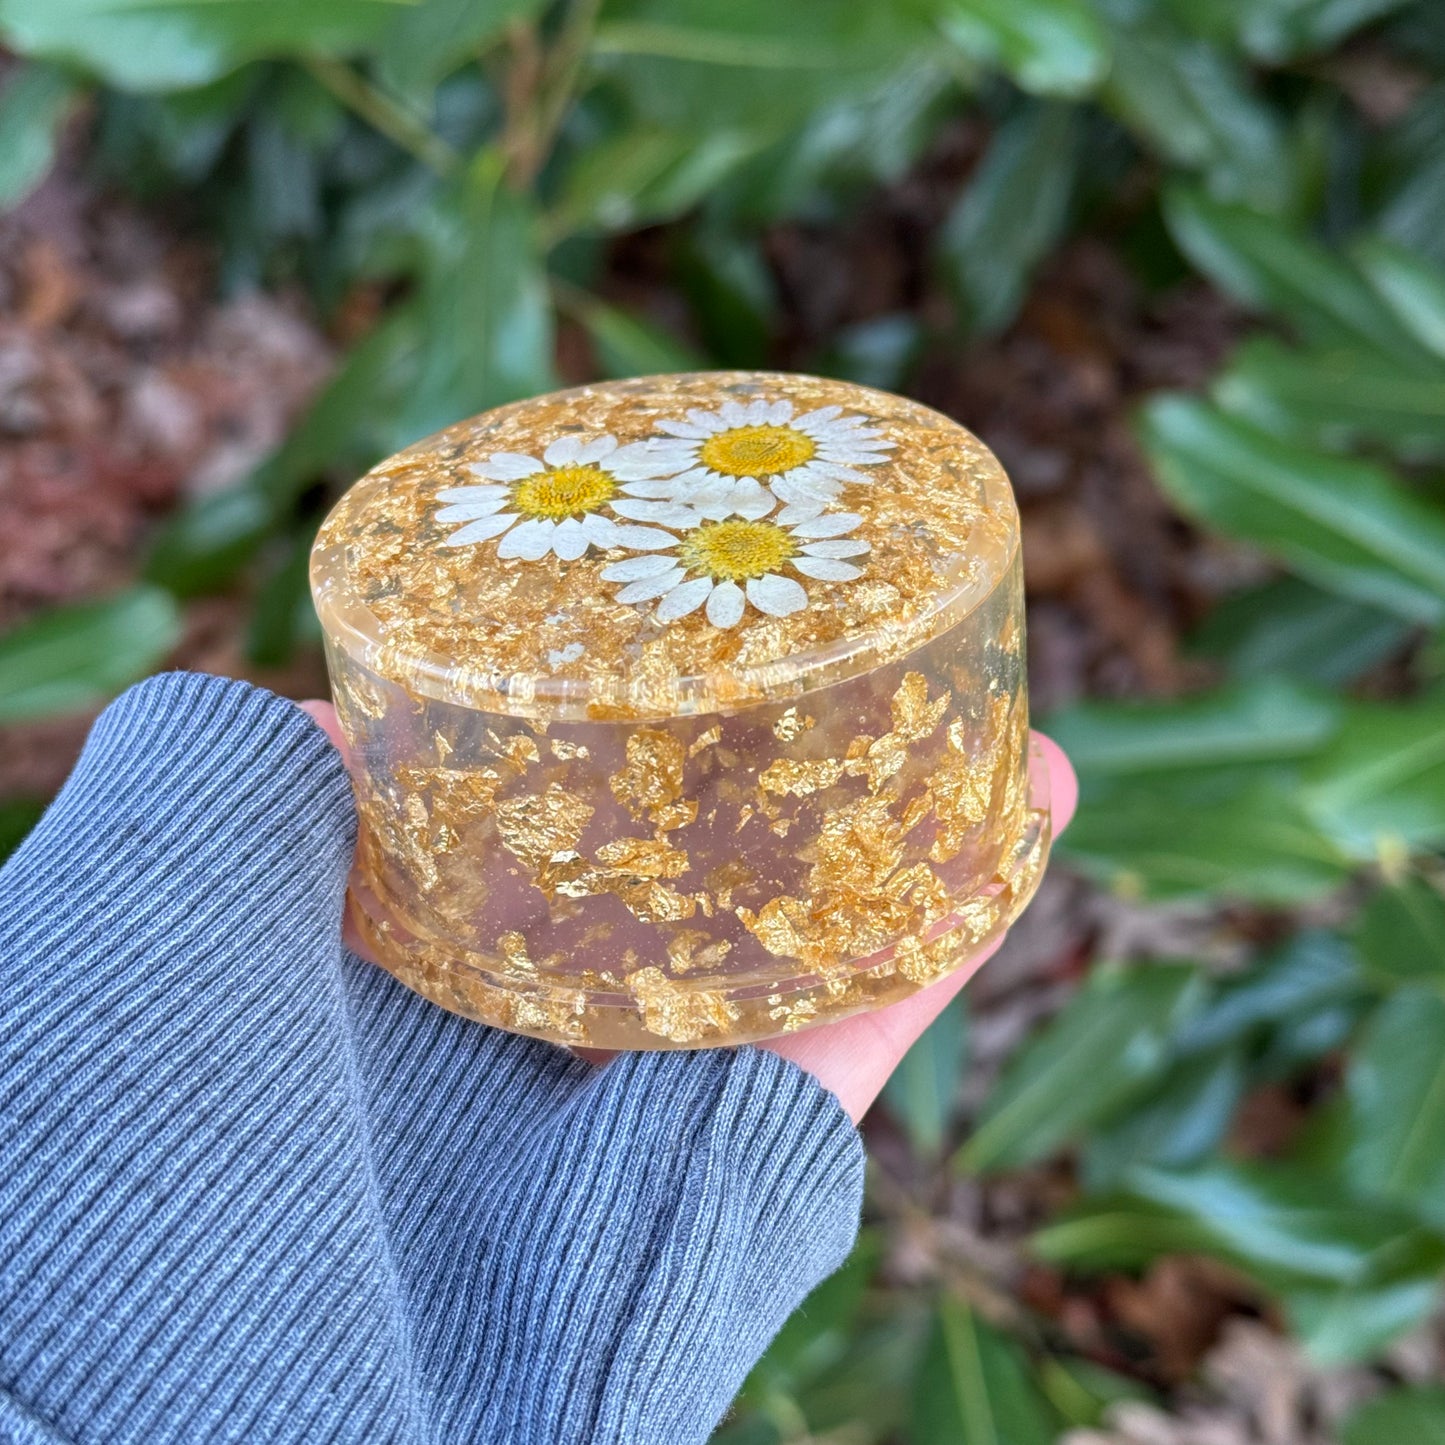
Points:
[(1288, 1226), (626, 344), (647, 174), (173, 44), (818, 1332), (1011, 214), (1251, 840), (1290, 628), (1346, 525), (974, 1387), (35, 104), (1054, 47), (1281, 30), (426, 41), (484, 307), (1107, 1048), (1401, 932), (1414, 1415), (1411, 286), (1396, 1088), (1337, 398), (1184, 1118), (731, 290), (283, 617), (1262, 721), (1267, 265), (922, 1091), (1082, 1391), (17, 817), (748, 64), (1194, 105), (1348, 1323), (1314, 969), (879, 352), (1381, 784), (76, 657)]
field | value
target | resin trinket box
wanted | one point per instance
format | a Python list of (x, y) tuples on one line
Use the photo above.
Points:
[(685, 710)]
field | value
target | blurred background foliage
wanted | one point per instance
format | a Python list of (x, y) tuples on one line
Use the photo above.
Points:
[(481, 199)]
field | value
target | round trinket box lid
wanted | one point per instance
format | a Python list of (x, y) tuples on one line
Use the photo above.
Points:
[(664, 546)]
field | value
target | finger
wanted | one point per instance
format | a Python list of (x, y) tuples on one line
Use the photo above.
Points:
[(854, 1057)]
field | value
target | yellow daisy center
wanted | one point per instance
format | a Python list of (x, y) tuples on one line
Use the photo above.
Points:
[(757, 451), (563, 492), (735, 551)]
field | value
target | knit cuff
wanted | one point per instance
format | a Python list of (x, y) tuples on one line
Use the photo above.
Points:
[(723, 1186)]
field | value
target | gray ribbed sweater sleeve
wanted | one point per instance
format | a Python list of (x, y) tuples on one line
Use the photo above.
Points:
[(252, 1189)]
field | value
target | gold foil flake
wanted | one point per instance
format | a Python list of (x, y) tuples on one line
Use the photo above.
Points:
[(629, 868), (444, 748), (535, 826), (792, 1016), (652, 778), (704, 740), (675, 815), (914, 716), (681, 1015), (690, 950), (645, 857), (786, 776), (725, 880), (515, 956), (781, 827), (565, 752), (791, 725)]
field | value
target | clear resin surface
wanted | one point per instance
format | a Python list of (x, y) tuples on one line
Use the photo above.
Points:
[(686, 710)]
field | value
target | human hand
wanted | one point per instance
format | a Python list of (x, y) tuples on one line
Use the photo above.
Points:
[(853, 1057)]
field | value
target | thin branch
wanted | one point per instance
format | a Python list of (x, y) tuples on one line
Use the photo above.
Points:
[(385, 114)]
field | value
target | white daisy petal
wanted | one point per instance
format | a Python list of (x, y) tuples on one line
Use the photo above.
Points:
[(473, 494), (597, 449), (563, 452), (751, 500), (530, 541), (802, 489), (709, 421), (725, 605), (570, 541), (826, 569), (634, 569), (757, 412), (733, 413), (689, 429), (654, 488), (796, 512), (646, 588), (643, 539), (643, 461), (779, 413), (777, 596), (481, 531), (829, 473), (684, 598), (600, 531), (668, 514), (470, 511), (830, 524), (814, 421), (851, 456), (506, 467), (852, 548)]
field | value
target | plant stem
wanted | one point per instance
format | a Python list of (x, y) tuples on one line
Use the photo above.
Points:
[(385, 114)]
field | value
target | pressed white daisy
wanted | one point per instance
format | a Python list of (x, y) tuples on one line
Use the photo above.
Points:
[(554, 504), (724, 565), (713, 457)]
